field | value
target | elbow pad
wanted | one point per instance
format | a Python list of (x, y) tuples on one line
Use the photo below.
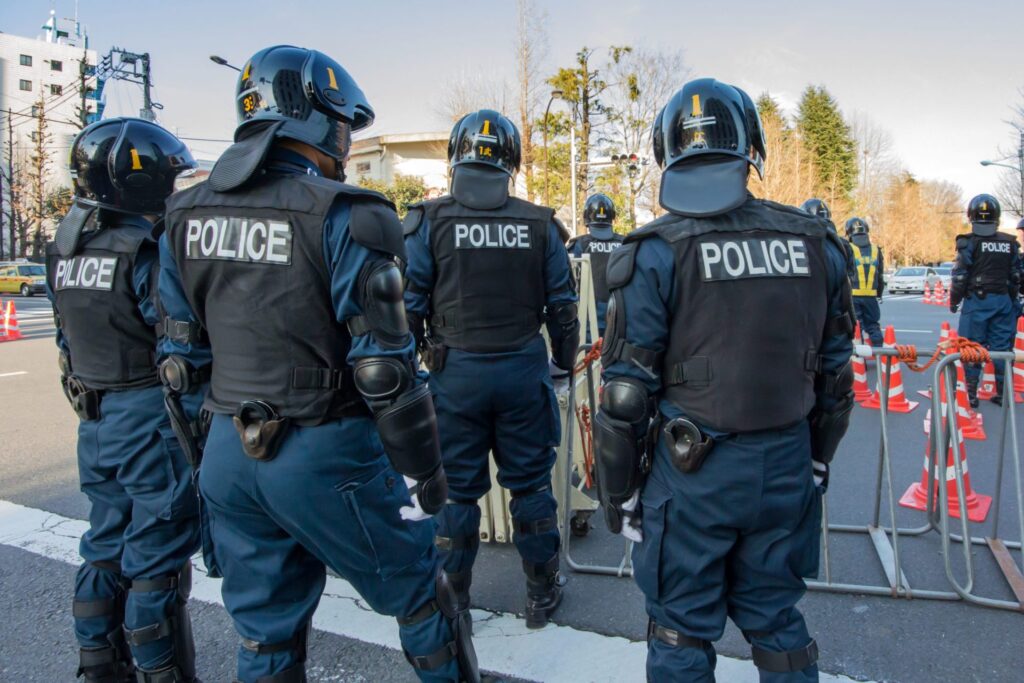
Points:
[(383, 305), (564, 330), (621, 429), (829, 426), (405, 417)]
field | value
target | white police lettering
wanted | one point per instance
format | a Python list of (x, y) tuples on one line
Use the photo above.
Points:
[(751, 257), (491, 236), (86, 272), (249, 240), (598, 246), (996, 247)]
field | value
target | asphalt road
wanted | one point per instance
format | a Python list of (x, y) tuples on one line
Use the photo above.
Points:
[(864, 637)]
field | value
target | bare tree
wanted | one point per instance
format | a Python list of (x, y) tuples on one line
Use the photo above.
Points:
[(1010, 187), (469, 91), (38, 173), (640, 81), (531, 47)]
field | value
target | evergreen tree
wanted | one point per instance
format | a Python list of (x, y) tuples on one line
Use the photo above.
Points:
[(827, 136)]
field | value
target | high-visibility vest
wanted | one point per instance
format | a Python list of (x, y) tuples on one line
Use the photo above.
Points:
[(866, 266)]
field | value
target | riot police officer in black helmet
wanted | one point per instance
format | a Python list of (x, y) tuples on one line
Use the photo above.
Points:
[(599, 243), (293, 278), (102, 269), (728, 435), (987, 277), (818, 207), (485, 271)]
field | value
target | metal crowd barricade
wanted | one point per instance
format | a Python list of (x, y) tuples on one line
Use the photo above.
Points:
[(943, 434)]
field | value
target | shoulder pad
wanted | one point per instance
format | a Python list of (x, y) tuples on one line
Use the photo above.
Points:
[(71, 227), (375, 226), (844, 247), (413, 219), (963, 241), (1006, 238), (562, 231), (620, 265)]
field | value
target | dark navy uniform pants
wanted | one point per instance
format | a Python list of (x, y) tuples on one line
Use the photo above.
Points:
[(869, 313), (733, 539), (992, 322), (329, 498), (143, 519), (502, 403)]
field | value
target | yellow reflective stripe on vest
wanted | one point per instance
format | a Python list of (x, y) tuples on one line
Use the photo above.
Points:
[(866, 268)]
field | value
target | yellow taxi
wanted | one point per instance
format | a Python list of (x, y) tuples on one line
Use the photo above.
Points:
[(22, 277)]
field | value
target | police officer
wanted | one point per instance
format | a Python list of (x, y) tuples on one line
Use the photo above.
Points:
[(323, 447), (987, 279), (485, 271), (102, 271), (732, 430), (818, 207), (866, 272), (599, 243)]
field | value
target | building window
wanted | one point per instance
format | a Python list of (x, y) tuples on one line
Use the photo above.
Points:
[(26, 60), (24, 85), (56, 65), (56, 89), (363, 167), (35, 110)]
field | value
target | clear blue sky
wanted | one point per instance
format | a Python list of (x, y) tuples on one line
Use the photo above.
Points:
[(939, 75)]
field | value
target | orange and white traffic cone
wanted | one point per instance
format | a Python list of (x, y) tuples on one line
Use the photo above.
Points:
[(898, 402), (916, 496), (970, 422), (10, 327), (987, 388), (928, 299), (861, 391), (1018, 368), (943, 300)]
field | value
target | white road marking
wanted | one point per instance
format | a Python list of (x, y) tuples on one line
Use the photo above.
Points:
[(503, 643), (13, 374)]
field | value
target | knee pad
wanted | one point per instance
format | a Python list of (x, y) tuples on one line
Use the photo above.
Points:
[(460, 648)]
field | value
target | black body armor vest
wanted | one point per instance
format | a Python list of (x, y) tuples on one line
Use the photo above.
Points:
[(752, 290), (992, 263), (253, 268), (488, 291), (600, 251), (111, 345)]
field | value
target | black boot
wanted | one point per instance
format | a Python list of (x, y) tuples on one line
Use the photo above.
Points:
[(972, 393), (543, 592), (998, 397)]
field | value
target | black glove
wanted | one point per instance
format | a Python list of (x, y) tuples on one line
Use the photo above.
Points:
[(953, 308)]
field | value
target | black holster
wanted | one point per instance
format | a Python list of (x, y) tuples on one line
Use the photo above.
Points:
[(687, 446), (84, 401), (260, 428), (433, 355)]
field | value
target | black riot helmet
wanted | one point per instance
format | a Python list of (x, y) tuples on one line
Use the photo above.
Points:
[(984, 209), (856, 226), (817, 207), (1020, 225), (599, 211), (705, 138), (127, 165), (291, 92), (485, 138), (310, 93), (484, 151)]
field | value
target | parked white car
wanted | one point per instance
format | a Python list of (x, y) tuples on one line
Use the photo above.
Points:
[(945, 274), (911, 279)]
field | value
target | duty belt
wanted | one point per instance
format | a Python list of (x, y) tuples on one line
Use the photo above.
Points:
[(84, 401)]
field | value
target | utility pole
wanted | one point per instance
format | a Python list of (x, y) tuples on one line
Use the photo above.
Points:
[(139, 74), (147, 102), (83, 112), (12, 197)]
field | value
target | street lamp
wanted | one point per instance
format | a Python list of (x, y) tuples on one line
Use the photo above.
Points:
[(1019, 168), (223, 62), (555, 94)]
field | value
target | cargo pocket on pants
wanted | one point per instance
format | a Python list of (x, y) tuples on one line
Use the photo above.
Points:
[(390, 543), (647, 555), (808, 543)]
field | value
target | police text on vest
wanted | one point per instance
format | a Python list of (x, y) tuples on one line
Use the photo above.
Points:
[(86, 272), (996, 247), (738, 259), (491, 236), (250, 240), (603, 247)]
